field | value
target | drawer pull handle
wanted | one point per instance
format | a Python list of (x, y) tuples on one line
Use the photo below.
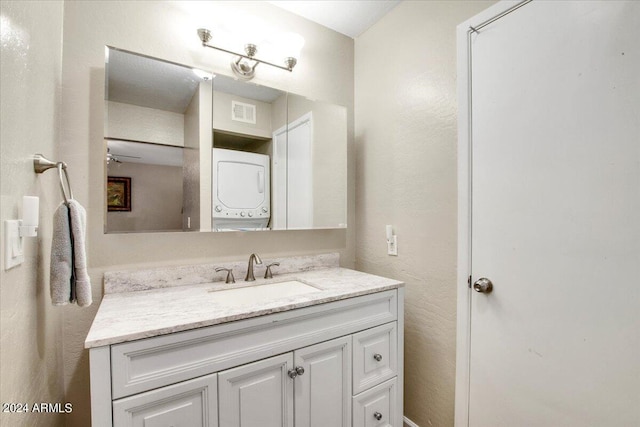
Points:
[(378, 358), (300, 370), (377, 416)]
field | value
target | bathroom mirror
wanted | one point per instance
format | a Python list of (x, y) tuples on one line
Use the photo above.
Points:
[(245, 116), (157, 120), (287, 143), (207, 152)]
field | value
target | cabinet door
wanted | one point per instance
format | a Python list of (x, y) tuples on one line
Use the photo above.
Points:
[(376, 407), (323, 391), (258, 394), (187, 404)]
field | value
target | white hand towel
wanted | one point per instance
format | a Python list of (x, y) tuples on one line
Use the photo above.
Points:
[(69, 279), (61, 258), (78, 232)]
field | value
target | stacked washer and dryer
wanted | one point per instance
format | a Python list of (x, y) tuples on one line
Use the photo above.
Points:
[(241, 190)]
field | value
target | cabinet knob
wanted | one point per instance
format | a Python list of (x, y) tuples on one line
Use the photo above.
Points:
[(378, 358), (377, 416), (298, 370)]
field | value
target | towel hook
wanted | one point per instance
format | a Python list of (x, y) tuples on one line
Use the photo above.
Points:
[(42, 164)]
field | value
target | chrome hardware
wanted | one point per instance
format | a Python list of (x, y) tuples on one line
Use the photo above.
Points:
[(42, 164), (297, 371), (250, 277), (377, 416), (378, 357), (230, 278), (483, 285), (244, 65), (268, 274)]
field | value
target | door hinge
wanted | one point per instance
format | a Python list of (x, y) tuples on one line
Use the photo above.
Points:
[(469, 281)]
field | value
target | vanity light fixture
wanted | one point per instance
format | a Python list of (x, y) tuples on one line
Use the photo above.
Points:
[(244, 65)]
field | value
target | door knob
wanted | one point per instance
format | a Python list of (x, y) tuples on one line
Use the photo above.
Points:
[(483, 285), (377, 416), (378, 357)]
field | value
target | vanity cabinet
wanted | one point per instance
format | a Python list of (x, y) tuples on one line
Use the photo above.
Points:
[(323, 391), (267, 393), (333, 364), (377, 407), (189, 403), (257, 394)]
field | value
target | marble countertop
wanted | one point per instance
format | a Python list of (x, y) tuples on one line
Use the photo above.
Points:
[(128, 316)]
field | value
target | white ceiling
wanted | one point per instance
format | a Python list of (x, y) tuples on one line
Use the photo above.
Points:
[(349, 17)]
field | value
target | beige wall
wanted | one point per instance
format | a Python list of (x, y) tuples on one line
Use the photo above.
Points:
[(191, 161), (156, 198), (222, 119), (168, 30), (30, 328), (405, 91), (135, 123)]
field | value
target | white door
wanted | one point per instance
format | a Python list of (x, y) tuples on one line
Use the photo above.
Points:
[(555, 223), (323, 391), (259, 394), (300, 173), (292, 165)]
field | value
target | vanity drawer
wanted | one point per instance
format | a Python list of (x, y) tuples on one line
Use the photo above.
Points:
[(145, 364), (377, 407), (374, 356)]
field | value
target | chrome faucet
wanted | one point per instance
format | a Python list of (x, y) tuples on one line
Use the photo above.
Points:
[(250, 277)]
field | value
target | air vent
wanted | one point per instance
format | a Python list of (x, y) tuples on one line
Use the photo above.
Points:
[(241, 112)]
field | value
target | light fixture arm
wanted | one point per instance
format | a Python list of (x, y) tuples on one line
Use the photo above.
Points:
[(205, 36)]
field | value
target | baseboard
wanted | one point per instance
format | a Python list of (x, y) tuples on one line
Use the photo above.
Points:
[(409, 423)]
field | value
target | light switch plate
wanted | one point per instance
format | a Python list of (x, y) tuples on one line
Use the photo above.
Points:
[(13, 251), (392, 246)]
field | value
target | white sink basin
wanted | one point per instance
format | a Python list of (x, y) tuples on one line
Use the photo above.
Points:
[(261, 293)]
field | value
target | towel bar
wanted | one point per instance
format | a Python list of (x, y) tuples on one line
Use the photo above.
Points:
[(42, 164)]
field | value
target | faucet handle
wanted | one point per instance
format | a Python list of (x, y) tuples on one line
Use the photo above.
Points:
[(268, 274), (230, 278)]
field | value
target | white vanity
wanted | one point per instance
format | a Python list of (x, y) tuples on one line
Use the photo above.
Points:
[(319, 347)]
